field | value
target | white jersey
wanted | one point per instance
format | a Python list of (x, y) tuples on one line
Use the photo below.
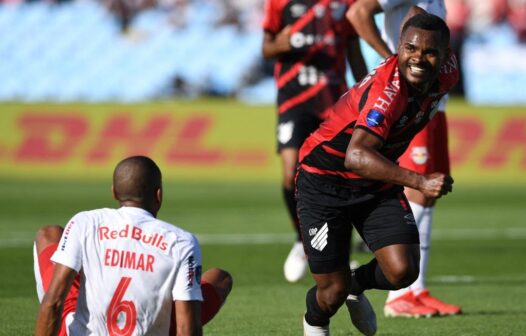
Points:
[(395, 12), (133, 266)]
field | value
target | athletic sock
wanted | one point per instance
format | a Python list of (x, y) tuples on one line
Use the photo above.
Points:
[(369, 276), (290, 202), (419, 213), (315, 316), (38, 276), (424, 229)]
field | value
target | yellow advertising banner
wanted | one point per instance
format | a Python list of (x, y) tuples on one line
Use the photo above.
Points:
[(218, 140)]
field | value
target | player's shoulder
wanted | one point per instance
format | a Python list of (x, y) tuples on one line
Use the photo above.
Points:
[(181, 234)]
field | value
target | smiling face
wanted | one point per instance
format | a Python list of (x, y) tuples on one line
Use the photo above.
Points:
[(420, 55)]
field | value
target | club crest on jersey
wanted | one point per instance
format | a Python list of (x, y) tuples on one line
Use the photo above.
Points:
[(374, 118), (297, 10), (419, 155)]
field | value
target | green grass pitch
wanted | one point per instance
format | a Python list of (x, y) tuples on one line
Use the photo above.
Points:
[(478, 256)]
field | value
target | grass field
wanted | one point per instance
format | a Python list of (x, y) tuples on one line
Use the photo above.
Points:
[(478, 255)]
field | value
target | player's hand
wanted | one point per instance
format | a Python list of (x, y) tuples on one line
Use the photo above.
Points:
[(282, 40), (436, 185)]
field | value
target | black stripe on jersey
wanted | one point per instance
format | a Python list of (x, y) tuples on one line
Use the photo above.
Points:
[(321, 159), (365, 96)]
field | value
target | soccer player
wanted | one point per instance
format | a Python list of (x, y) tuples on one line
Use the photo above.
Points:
[(427, 153), (348, 176), (122, 271), (310, 41)]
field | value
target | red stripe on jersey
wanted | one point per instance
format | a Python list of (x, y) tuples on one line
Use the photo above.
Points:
[(333, 151), (308, 16), (313, 90)]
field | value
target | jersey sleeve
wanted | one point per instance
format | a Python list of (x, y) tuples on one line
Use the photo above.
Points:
[(383, 105), (69, 250), (272, 17), (187, 285)]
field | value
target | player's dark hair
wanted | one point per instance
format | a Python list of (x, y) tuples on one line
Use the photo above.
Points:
[(431, 22), (136, 179)]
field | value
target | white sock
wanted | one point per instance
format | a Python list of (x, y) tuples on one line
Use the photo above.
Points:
[(38, 276), (309, 330), (418, 213), (424, 229)]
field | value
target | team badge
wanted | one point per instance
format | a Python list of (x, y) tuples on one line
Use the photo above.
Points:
[(419, 155), (374, 118)]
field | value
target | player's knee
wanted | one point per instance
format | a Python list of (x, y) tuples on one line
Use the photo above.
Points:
[(48, 235), (333, 297), (402, 275), (221, 280)]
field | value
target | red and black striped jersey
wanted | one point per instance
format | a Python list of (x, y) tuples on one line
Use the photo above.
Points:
[(382, 105), (314, 70)]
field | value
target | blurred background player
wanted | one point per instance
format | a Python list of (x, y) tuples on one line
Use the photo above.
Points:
[(310, 41), (427, 153), (349, 176), (122, 271)]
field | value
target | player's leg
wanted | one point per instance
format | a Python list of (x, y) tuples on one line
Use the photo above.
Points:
[(216, 284), (46, 242), (294, 127), (389, 229), (326, 233)]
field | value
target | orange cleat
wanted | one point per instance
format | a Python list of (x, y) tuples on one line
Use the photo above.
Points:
[(408, 306), (443, 308)]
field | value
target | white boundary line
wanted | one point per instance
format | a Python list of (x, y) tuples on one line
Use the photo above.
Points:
[(19, 239)]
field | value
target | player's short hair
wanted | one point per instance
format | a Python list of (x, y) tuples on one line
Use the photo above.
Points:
[(430, 22), (136, 178)]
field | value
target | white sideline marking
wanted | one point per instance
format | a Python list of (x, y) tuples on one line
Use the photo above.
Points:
[(18, 239)]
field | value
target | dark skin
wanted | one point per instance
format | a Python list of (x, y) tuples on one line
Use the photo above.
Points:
[(128, 177), (421, 54)]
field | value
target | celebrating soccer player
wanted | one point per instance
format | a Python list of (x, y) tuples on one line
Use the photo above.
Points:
[(427, 152), (349, 176)]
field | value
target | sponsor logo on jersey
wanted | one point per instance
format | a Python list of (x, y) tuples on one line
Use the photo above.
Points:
[(193, 272), (388, 95), (374, 118), (320, 239), (65, 235), (132, 232)]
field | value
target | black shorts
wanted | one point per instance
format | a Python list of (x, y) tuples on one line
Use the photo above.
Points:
[(327, 214), (295, 125)]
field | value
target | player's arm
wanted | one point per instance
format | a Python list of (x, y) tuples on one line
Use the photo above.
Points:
[(188, 318), (363, 158), (50, 312), (276, 44), (361, 15), (356, 60)]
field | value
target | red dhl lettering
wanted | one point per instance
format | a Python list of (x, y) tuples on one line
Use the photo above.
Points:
[(136, 233), (129, 260), (57, 138)]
